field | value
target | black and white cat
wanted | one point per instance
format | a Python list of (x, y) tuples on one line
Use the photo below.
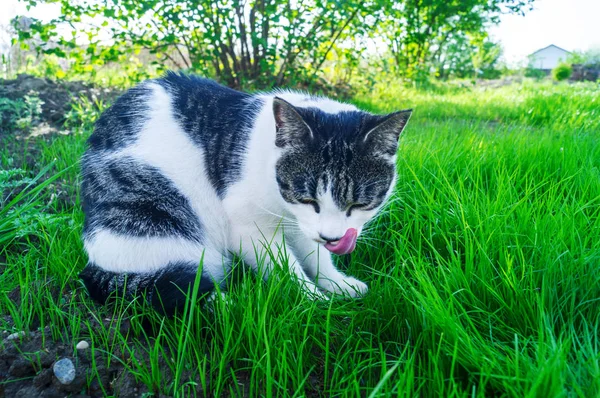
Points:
[(182, 171)]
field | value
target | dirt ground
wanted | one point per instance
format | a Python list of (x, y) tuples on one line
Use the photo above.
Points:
[(58, 96), (57, 99), (26, 360), (26, 367)]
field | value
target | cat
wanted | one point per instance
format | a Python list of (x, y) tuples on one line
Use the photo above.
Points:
[(181, 172)]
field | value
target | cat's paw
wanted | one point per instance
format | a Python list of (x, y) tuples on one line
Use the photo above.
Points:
[(347, 285), (215, 299), (353, 287), (313, 292)]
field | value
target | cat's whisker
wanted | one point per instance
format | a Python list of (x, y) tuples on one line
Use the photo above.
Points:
[(280, 225), (278, 215), (283, 227), (371, 239), (367, 244)]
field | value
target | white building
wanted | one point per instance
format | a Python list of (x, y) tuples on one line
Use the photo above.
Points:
[(547, 58)]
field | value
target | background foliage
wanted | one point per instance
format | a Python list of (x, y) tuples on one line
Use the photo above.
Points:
[(268, 42)]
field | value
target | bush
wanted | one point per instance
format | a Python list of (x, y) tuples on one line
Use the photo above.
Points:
[(589, 58), (562, 72), (19, 113), (534, 73)]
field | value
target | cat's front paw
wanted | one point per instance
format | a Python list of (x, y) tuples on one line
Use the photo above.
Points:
[(314, 293), (353, 287), (346, 286)]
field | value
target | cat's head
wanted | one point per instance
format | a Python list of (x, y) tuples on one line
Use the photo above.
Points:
[(335, 170)]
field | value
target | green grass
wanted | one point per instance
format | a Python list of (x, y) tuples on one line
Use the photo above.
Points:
[(533, 104), (484, 270)]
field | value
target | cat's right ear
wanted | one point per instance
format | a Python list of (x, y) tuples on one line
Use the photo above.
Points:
[(291, 129), (383, 137)]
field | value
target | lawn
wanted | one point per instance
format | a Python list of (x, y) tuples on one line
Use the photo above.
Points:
[(484, 270)]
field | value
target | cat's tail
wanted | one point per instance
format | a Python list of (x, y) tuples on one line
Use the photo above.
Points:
[(166, 289)]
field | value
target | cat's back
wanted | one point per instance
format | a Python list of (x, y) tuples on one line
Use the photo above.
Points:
[(200, 106), (160, 159), (177, 115)]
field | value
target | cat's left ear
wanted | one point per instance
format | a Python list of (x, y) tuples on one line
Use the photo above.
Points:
[(291, 128), (383, 132)]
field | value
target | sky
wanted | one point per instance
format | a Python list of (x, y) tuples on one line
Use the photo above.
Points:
[(570, 24)]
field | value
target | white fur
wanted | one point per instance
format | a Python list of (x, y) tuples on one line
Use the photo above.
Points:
[(258, 212), (163, 144), (119, 253), (318, 260), (248, 220), (257, 190)]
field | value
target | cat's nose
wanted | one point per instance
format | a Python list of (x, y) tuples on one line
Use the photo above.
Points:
[(328, 239)]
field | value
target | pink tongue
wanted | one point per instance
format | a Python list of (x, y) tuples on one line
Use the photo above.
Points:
[(345, 245)]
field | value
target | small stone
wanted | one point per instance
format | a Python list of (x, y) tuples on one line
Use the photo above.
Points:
[(82, 345), (15, 336), (64, 370)]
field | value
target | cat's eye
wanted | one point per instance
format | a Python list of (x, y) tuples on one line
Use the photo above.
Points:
[(354, 206), (312, 202)]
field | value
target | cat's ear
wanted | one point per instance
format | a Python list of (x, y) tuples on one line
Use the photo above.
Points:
[(291, 128), (383, 132)]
